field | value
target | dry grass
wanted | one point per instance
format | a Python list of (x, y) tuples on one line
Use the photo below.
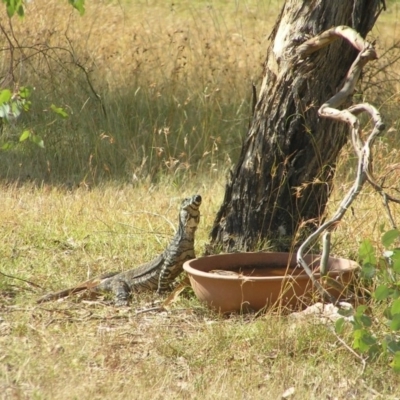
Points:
[(72, 348), (150, 88), (164, 74), (367, 217)]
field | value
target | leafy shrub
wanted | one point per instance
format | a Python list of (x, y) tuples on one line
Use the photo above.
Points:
[(376, 326)]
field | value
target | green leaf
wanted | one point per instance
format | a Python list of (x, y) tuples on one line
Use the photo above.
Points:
[(15, 108), (5, 96), (368, 271), (356, 323), (357, 334), (395, 364), (367, 252), (10, 9), (7, 146), (361, 321), (4, 110), (382, 292), (395, 294), (79, 5), (361, 309), (387, 313), (339, 325), (38, 141), (25, 135), (395, 309), (60, 111), (366, 321), (395, 324), (368, 339), (383, 263), (395, 257), (20, 11), (14, 6), (396, 266), (346, 312), (390, 345), (363, 340), (389, 237), (374, 351), (25, 92), (26, 105)]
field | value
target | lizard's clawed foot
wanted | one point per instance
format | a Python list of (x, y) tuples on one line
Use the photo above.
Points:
[(121, 303)]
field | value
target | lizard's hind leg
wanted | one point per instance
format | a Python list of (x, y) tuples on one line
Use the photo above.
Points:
[(121, 291)]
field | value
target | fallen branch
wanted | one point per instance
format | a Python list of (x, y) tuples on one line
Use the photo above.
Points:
[(146, 310), (363, 148)]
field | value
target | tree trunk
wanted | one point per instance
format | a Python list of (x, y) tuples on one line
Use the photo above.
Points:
[(283, 177)]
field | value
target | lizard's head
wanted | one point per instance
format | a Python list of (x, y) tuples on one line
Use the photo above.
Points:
[(189, 215)]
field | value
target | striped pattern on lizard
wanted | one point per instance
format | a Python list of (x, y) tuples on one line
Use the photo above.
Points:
[(158, 274)]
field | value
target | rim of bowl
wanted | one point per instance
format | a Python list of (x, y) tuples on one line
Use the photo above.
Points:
[(303, 275)]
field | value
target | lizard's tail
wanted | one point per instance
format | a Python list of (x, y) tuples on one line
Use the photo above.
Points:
[(90, 284)]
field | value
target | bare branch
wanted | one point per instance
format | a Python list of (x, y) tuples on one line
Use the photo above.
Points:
[(362, 148), (324, 39)]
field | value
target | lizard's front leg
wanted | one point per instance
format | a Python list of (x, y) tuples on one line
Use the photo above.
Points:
[(164, 279)]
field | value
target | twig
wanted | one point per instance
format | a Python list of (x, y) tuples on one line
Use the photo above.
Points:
[(11, 67), (346, 346), (82, 68), (146, 310), (21, 279), (389, 212)]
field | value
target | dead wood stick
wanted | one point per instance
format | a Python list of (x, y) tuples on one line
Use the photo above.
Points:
[(362, 148)]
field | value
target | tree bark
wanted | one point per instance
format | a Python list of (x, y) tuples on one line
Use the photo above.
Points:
[(283, 177)]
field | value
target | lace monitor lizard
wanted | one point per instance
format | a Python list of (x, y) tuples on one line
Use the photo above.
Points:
[(157, 274)]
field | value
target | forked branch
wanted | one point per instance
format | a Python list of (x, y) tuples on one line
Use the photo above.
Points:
[(362, 147)]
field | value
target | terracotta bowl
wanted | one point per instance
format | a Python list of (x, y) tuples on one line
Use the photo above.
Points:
[(252, 281)]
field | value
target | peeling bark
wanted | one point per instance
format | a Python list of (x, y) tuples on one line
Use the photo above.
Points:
[(283, 177)]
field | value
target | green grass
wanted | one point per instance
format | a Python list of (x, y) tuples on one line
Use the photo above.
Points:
[(103, 194)]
